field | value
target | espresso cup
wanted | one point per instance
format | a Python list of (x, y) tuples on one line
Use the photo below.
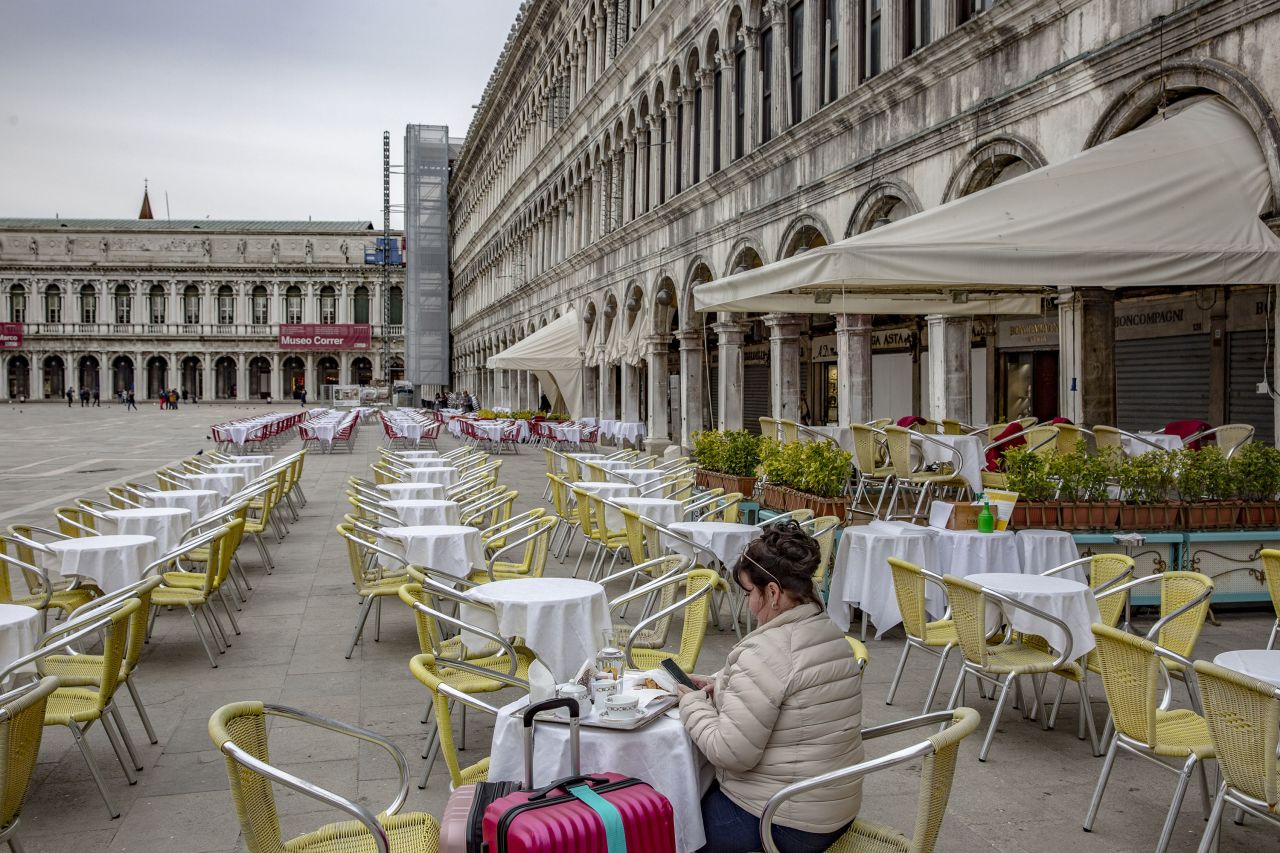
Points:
[(601, 690), (622, 705), (577, 693)]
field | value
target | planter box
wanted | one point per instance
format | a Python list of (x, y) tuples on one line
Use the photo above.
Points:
[(1263, 514), (839, 507), (1210, 515), (1086, 516), (774, 497), (1035, 514), (715, 480), (1153, 517)]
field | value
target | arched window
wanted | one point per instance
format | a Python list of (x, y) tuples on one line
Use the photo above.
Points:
[(396, 310), (155, 300), (88, 304), (18, 304), (261, 306), (191, 304), (226, 305), (123, 304), (52, 304), (328, 305), (293, 304), (361, 305)]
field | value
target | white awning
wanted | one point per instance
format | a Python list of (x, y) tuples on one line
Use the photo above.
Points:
[(1176, 203), (552, 354)]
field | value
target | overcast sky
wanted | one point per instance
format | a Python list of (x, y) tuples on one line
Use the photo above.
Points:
[(271, 109)]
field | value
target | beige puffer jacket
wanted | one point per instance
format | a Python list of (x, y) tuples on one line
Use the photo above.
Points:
[(787, 706)]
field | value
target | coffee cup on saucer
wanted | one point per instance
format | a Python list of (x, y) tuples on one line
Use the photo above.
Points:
[(622, 706), (601, 689)]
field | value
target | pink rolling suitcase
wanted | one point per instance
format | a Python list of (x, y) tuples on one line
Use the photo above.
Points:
[(594, 813)]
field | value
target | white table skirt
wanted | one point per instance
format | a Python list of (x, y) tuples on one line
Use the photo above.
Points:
[(664, 511), (661, 754), (842, 436), (165, 524), (1041, 550), (413, 491), (561, 619), (1166, 441), (1068, 600), (200, 502), (639, 476), (416, 512), (418, 455), (1261, 664), (726, 539), (861, 576), (444, 475), (632, 431), (611, 491), (20, 629), (969, 447), (248, 469), (225, 485), (111, 562), (450, 548)]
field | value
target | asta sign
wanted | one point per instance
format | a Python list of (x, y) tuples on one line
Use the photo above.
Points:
[(317, 336), (10, 335)]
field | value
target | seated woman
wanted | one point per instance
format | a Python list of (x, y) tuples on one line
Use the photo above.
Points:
[(787, 706)]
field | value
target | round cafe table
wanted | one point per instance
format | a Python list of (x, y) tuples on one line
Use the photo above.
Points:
[(664, 511), (165, 523), (638, 476), (860, 575), (111, 562), (20, 630), (561, 619), (413, 491), (418, 454), (431, 462), (454, 549), (225, 485), (1068, 600), (200, 502), (444, 475), (726, 539), (610, 491), (1041, 550), (416, 512), (248, 470), (1262, 664), (586, 457)]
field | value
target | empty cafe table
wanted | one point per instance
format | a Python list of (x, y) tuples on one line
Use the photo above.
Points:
[(414, 491), (418, 454), (445, 476), (416, 512), (111, 562), (20, 630), (664, 511), (1261, 664), (725, 539), (639, 476), (200, 502), (561, 619), (860, 575), (165, 523), (248, 469), (454, 549), (225, 485), (1067, 600)]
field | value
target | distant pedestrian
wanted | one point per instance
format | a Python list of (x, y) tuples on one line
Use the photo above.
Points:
[(173, 400), (302, 397), (544, 405), (97, 398), (71, 395), (130, 402), (84, 397)]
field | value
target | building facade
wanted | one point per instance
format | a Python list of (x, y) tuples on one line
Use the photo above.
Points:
[(197, 306), (626, 151)]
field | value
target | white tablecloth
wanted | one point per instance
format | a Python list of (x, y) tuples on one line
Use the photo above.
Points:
[(417, 512), (612, 491), (418, 455), (451, 548), (165, 524), (1261, 664), (1137, 448), (967, 552), (586, 457), (248, 469), (639, 476), (661, 754), (413, 491), (1041, 550), (726, 539), (561, 619), (570, 434), (20, 629), (632, 431), (861, 577), (442, 474), (428, 463), (969, 446), (111, 562), (662, 510), (842, 436), (225, 485), (1068, 600), (200, 502)]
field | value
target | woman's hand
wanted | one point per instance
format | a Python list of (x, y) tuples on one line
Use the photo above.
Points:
[(704, 685), (702, 682)]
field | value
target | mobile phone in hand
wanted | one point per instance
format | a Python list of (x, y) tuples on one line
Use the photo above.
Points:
[(678, 674)]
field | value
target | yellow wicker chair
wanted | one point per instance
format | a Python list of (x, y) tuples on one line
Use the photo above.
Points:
[(75, 522), (1131, 677), (998, 665), (771, 428), (1243, 715), (21, 730), (122, 499), (871, 474), (669, 576), (823, 528), (1229, 437), (1271, 570), (495, 537), (790, 431), (239, 730), (723, 508), (373, 580), (939, 753), (177, 591), (589, 525), (909, 585), (442, 694), (19, 551), (926, 483), (640, 546), (523, 556)]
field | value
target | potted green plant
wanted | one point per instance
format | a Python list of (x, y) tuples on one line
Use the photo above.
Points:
[(1028, 475), (1082, 478), (806, 475), (1257, 473), (726, 460), (776, 470), (1146, 482), (1207, 486)]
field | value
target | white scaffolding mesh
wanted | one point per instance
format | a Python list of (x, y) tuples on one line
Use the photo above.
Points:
[(426, 233)]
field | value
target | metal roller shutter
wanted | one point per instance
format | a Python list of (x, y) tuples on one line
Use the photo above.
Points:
[(1246, 369), (1159, 380), (755, 395)]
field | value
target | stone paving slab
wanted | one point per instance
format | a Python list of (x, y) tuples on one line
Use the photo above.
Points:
[(1030, 795)]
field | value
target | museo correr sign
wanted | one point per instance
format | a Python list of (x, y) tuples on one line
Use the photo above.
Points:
[(10, 335), (317, 336)]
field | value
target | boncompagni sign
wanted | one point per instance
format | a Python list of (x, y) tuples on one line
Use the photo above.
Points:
[(317, 336)]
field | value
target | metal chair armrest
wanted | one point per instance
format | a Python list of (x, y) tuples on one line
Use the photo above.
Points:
[(1064, 656), (669, 610), (467, 699), (1128, 585), (36, 570), (1059, 569), (507, 648), (87, 630)]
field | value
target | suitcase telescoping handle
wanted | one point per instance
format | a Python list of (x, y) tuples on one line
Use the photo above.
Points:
[(533, 711)]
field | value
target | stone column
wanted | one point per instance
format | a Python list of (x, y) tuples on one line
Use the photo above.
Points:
[(656, 153), (949, 389), (707, 82), (615, 189), (781, 88), (276, 387), (590, 387), (853, 368), (607, 390), (628, 180), (750, 83), (692, 372), (602, 46), (599, 207), (784, 364), (37, 376), (730, 335), (209, 378), (659, 426), (669, 149), (687, 163), (589, 72), (1087, 356), (630, 392), (312, 377), (573, 80), (504, 388)]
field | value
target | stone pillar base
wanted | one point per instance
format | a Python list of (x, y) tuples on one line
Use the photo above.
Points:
[(657, 446)]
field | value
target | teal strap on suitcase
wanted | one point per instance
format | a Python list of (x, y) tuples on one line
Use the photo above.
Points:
[(614, 833)]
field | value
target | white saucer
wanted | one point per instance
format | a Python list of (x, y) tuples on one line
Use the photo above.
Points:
[(622, 716)]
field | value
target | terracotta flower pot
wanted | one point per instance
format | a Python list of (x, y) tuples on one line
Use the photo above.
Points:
[(1210, 515), (1043, 514), (1153, 517), (1260, 514)]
